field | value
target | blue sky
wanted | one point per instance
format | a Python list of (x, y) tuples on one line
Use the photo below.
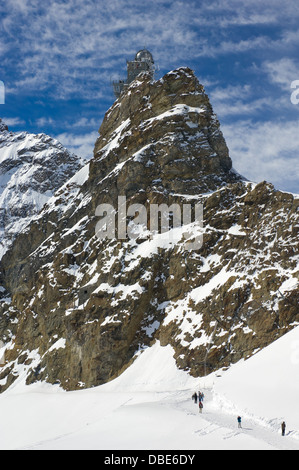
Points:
[(57, 59)]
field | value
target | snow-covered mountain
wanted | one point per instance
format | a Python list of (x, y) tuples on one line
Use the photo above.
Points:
[(149, 408), (79, 309), (32, 168)]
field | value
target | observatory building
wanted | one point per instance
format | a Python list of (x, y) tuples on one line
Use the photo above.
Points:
[(143, 62)]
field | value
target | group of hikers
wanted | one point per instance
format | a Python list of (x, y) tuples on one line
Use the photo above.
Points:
[(200, 398)]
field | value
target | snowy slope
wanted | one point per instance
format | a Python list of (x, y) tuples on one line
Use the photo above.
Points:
[(266, 386), (149, 407)]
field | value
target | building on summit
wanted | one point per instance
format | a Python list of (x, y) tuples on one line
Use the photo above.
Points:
[(143, 62)]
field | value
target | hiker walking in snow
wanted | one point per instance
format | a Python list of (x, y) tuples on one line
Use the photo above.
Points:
[(283, 428), (194, 396), (200, 406), (239, 422)]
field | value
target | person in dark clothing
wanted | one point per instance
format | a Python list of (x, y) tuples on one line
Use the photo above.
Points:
[(194, 396), (239, 421), (283, 428)]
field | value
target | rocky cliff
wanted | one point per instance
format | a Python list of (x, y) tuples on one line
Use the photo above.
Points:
[(77, 307)]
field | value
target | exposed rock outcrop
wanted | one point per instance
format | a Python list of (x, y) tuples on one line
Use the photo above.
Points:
[(82, 306)]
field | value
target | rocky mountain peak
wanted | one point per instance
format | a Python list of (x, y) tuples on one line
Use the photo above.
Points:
[(168, 128), (3, 126), (32, 168), (78, 308)]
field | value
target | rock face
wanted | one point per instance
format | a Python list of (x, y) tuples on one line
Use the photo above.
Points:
[(77, 308), (168, 130), (32, 168)]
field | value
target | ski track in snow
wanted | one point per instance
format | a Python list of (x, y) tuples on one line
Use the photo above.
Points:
[(219, 420), (211, 422)]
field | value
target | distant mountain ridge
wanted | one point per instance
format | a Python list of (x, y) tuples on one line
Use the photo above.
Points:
[(78, 309), (32, 168)]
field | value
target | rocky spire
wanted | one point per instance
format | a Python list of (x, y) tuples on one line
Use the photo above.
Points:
[(167, 129)]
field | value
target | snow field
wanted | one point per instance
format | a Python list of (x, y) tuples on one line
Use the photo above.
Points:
[(150, 407)]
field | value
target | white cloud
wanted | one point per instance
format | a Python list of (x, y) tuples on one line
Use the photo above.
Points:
[(255, 11), (45, 121), (13, 121), (282, 71), (65, 45), (266, 151), (243, 100), (86, 122), (238, 45), (81, 145)]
